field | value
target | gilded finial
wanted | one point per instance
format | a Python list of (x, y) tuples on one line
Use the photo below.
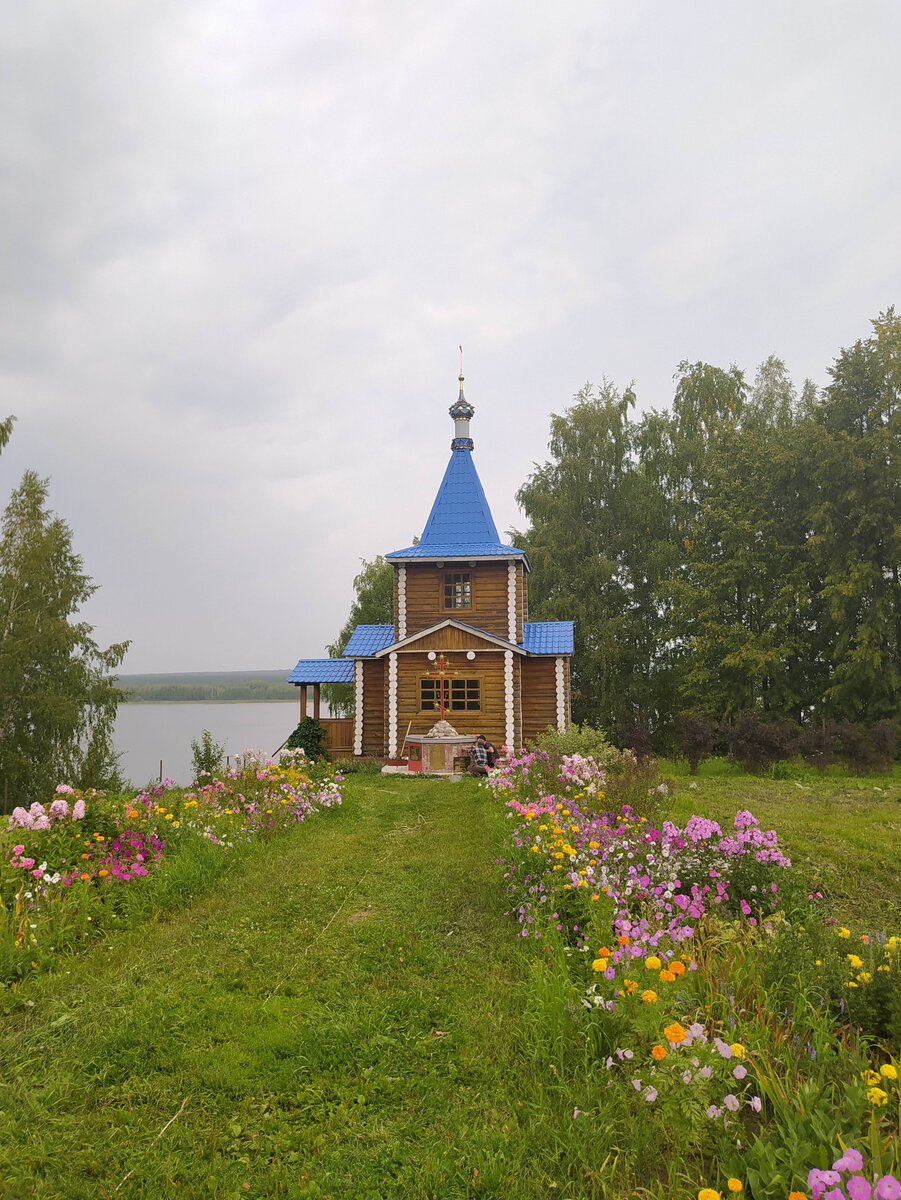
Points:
[(461, 364)]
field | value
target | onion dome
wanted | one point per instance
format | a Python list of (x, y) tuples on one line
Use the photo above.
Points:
[(461, 412)]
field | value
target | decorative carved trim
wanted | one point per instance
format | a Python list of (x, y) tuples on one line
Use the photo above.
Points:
[(358, 707), (510, 733), (392, 705), (511, 603), (401, 603), (561, 697)]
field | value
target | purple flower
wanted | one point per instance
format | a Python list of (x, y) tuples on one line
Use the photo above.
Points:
[(888, 1188), (650, 1094), (858, 1188), (739, 1072), (851, 1160), (636, 1083), (731, 1102), (713, 1112), (755, 1103)]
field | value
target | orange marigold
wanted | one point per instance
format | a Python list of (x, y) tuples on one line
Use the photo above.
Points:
[(675, 1033), (658, 1052), (677, 967), (648, 996), (667, 977), (85, 876)]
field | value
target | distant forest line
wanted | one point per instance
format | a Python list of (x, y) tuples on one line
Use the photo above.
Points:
[(210, 686)]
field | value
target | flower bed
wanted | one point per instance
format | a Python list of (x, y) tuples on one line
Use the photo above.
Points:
[(66, 868), (721, 1006)]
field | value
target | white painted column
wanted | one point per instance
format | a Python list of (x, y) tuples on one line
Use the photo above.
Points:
[(392, 705), (510, 736), (358, 706), (561, 697), (511, 602), (401, 602)]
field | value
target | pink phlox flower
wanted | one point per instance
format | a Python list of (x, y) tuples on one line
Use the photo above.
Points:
[(851, 1160), (858, 1188), (59, 809), (64, 789), (78, 810), (18, 850), (27, 863), (21, 819), (36, 810), (745, 819)]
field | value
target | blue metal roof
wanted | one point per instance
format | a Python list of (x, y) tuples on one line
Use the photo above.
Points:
[(460, 524), (548, 637), (366, 639), (322, 670)]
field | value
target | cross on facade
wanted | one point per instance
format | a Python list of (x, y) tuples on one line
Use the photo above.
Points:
[(441, 671)]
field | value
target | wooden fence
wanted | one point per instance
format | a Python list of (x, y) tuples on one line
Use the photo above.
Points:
[(339, 736)]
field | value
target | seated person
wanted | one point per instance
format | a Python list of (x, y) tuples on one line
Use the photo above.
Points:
[(490, 750), (478, 757)]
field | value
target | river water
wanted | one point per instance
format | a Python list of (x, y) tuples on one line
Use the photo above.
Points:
[(148, 733)]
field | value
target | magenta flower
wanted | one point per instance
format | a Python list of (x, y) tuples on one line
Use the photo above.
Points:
[(888, 1188), (858, 1188), (851, 1160)]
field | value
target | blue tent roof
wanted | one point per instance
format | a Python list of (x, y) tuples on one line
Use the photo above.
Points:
[(322, 670), (366, 639), (460, 524)]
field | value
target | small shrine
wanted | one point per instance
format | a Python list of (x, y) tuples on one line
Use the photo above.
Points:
[(461, 657)]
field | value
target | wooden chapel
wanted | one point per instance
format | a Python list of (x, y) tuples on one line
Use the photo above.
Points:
[(461, 645)]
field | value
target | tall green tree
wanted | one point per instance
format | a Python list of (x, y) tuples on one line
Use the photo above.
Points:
[(597, 546), (373, 604), (744, 597), (57, 693), (855, 454)]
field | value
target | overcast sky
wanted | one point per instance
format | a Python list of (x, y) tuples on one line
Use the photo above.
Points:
[(241, 242)]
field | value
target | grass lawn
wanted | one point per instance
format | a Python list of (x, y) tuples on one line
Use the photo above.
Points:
[(351, 1016)]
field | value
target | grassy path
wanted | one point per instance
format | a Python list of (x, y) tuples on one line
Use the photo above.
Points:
[(346, 1018)]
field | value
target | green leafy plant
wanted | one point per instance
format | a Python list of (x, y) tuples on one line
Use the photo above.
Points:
[(206, 755), (307, 737)]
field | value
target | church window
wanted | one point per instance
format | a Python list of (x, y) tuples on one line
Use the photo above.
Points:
[(460, 695), (457, 590)]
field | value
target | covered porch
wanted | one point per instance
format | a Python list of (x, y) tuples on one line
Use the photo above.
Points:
[(308, 676)]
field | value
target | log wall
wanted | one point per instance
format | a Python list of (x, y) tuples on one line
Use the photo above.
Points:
[(374, 706)]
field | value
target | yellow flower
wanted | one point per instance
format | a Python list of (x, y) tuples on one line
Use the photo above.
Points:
[(735, 1185), (652, 963), (855, 961), (738, 1050), (888, 1071), (844, 933), (648, 996), (599, 964), (871, 1078), (877, 1097), (709, 1194)]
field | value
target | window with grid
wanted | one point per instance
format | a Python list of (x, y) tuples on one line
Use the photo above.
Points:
[(457, 590), (460, 695)]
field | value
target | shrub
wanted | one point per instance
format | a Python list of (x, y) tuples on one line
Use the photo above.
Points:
[(697, 732), (635, 734), (867, 749), (576, 739), (307, 737), (756, 742)]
